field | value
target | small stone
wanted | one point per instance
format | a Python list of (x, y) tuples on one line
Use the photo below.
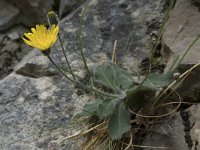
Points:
[(8, 15), (13, 36)]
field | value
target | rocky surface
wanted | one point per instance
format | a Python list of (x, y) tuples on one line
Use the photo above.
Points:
[(35, 100), (12, 50), (14, 16), (24, 12), (196, 3), (171, 132), (182, 28), (67, 6), (8, 15)]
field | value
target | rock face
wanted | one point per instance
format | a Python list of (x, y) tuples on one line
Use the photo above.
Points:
[(26, 12), (14, 16), (196, 3), (36, 103), (67, 6), (8, 15), (182, 28), (171, 133), (11, 50)]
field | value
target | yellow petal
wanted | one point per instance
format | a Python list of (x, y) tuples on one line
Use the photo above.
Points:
[(33, 30), (41, 37)]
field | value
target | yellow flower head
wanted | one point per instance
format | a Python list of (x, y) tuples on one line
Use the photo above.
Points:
[(41, 37)]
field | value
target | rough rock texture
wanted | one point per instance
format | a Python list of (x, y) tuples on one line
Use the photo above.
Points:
[(194, 119), (26, 12), (35, 102), (36, 13), (14, 16), (196, 3), (32, 107), (8, 15), (182, 28), (107, 21), (67, 6), (171, 132), (11, 50)]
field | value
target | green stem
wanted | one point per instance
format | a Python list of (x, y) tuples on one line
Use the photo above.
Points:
[(77, 83), (60, 70), (70, 70), (81, 44), (174, 63), (161, 31)]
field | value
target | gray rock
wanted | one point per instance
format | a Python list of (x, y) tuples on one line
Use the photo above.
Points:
[(67, 6), (196, 3), (8, 54), (36, 13), (195, 122), (14, 36), (31, 109), (182, 28), (26, 12), (171, 133), (8, 15)]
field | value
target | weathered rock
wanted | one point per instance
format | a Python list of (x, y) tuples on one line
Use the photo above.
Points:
[(14, 36), (13, 48), (195, 122), (171, 133), (67, 6), (36, 13), (182, 28), (26, 12), (196, 3), (32, 106), (8, 15), (10, 54), (35, 108)]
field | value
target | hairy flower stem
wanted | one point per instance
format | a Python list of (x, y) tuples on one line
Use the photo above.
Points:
[(70, 70), (60, 70), (80, 43), (79, 84)]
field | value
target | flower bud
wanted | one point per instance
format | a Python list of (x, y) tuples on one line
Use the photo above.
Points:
[(52, 18)]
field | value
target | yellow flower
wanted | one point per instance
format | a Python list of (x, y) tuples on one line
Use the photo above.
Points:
[(41, 37)]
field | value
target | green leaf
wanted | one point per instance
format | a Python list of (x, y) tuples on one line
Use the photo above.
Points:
[(90, 108), (156, 81), (106, 108), (119, 123), (112, 76), (136, 96)]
